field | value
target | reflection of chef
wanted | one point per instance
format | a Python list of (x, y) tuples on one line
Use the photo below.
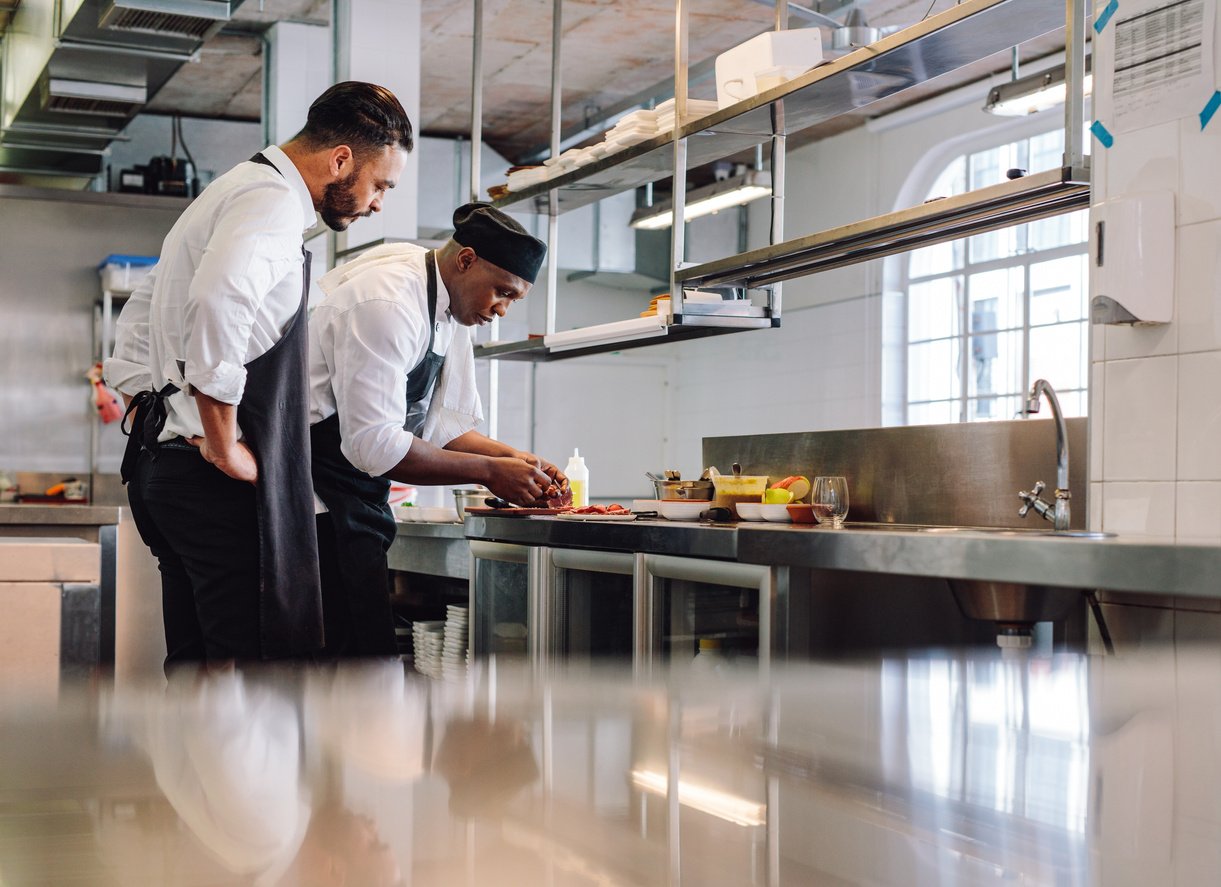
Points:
[(370, 716), (485, 763), (226, 753)]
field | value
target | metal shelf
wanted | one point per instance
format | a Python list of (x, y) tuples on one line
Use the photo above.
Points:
[(966, 33), (689, 326), (1026, 199)]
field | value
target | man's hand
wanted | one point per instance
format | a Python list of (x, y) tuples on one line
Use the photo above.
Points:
[(559, 481), (237, 461), (517, 480)]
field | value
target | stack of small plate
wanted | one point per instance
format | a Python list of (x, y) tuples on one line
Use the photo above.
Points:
[(427, 640), (453, 653)]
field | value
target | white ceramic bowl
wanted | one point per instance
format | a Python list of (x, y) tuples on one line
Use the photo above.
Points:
[(750, 510), (438, 514), (776, 513), (678, 510)]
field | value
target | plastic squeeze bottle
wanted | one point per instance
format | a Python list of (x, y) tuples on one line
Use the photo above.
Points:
[(578, 479)]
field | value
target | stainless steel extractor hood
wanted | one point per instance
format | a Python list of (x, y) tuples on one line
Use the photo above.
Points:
[(189, 19), (91, 97), (77, 71)]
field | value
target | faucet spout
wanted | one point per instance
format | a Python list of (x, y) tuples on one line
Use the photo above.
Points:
[(1042, 388)]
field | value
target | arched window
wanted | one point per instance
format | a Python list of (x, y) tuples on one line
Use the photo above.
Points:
[(989, 314)]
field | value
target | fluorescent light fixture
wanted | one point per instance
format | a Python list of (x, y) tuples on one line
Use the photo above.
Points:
[(725, 806), (733, 191), (1029, 95)]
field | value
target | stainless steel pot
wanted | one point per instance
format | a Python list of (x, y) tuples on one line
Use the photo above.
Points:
[(683, 489)]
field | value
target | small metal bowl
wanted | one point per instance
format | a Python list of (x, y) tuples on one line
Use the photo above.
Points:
[(470, 498)]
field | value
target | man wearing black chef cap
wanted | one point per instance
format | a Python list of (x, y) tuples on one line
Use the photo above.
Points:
[(393, 397), (212, 354)]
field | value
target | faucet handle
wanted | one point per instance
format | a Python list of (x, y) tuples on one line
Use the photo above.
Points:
[(1032, 500)]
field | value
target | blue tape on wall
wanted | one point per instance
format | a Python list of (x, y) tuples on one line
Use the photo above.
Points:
[(1210, 109), (1102, 134), (1105, 17)]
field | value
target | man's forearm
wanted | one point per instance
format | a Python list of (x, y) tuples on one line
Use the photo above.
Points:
[(219, 422), (427, 463), (479, 444)]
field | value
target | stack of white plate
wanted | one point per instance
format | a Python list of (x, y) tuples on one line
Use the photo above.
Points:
[(453, 652), (428, 641)]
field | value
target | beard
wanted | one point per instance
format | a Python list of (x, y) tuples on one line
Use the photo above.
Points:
[(339, 204)]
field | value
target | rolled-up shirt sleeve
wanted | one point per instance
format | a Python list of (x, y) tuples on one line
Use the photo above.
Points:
[(127, 369), (372, 343), (255, 243)]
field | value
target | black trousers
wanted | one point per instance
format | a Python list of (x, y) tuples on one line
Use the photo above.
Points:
[(202, 526), (356, 612)]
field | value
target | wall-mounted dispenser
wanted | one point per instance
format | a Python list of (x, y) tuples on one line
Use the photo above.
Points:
[(1133, 254)]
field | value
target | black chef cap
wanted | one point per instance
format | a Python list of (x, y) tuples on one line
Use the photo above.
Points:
[(499, 239)]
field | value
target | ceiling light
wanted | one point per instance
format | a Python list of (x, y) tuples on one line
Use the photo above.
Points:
[(725, 806), (1029, 95), (733, 191)]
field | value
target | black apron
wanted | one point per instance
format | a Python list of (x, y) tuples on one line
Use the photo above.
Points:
[(359, 510), (274, 418)]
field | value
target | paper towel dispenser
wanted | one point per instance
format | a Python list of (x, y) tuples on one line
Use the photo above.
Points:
[(1134, 265)]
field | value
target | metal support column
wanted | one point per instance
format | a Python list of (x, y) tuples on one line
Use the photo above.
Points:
[(678, 202), (644, 621), (540, 610), (1074, 81), (553, 198)]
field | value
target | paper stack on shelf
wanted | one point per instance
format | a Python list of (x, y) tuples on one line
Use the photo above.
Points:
[(659, 306), (631, 129), (521, 179), (695, 108)]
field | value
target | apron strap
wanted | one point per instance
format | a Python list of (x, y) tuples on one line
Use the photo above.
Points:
[(260, 159), (147, 413)]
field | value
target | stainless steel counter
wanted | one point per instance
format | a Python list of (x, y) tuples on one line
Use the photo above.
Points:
[(1029, 557), (55, 515), (430, 548), (904, 770), (1033, 557), (683, 539)]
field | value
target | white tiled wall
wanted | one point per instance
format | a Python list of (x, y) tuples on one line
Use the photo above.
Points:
[(1155, 401), (821, 369)]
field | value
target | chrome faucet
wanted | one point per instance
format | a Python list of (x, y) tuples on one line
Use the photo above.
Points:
[(1059, 513)]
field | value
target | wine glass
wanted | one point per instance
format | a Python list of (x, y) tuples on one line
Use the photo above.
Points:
[(830, 500)]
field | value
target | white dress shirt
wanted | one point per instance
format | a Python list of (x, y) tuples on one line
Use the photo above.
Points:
[(366, 336), (226, 286)]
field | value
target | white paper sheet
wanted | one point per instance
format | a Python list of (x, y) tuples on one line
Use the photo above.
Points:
[(1163, 61)]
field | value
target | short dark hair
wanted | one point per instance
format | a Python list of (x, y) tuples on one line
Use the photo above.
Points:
[(364, 116)]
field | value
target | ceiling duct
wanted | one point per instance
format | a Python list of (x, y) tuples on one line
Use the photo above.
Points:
[(91, 97), (191, 19)]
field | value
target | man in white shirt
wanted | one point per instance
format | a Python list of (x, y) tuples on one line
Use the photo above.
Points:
[(211, 355), (393, 397)]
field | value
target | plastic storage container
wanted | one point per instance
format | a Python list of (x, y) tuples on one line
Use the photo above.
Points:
[(122, 274), (734, 488), (775, 56), (578, 479)]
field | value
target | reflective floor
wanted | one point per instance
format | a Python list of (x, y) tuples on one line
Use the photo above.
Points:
[(920, 770)]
